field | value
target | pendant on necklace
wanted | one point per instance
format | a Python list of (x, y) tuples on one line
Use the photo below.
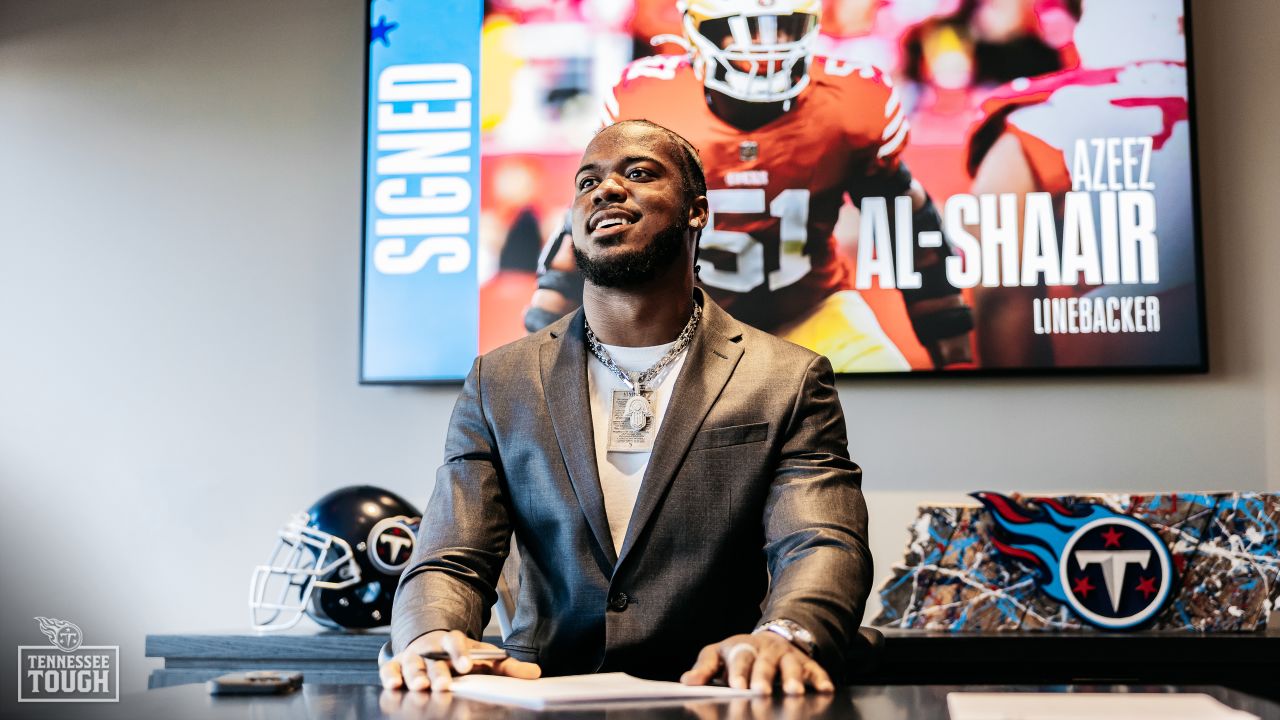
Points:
[(637, 412), (631, 421)]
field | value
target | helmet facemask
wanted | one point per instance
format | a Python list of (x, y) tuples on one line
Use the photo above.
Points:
[(304, 560), (758, 57)]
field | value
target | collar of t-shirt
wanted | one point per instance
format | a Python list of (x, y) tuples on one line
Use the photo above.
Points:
[(622, 472)]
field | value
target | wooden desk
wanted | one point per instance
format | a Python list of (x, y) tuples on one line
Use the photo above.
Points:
[(192, 702)]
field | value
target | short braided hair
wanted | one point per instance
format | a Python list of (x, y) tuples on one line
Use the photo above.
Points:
[(692, 175)]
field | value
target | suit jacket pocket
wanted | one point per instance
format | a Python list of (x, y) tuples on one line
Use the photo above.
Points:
[(732, 435), (520, 652)]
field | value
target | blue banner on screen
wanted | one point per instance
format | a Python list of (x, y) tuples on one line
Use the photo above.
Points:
[(933, 186), (421, 307)]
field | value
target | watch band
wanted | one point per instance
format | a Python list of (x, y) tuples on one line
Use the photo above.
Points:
[(791, 631)]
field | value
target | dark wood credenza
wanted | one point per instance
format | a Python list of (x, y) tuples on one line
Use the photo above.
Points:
[(322, 656)]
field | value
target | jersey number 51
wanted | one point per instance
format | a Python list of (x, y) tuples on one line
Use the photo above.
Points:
[(734, 261)]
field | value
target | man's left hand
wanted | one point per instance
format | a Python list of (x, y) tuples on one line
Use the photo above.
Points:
[(755, 661)]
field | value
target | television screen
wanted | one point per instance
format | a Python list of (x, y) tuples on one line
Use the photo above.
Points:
[(905, 186)]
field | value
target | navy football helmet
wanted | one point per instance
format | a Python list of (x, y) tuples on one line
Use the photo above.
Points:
[(338, 562)]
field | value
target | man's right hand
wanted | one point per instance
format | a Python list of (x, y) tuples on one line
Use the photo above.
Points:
[(410, 670)]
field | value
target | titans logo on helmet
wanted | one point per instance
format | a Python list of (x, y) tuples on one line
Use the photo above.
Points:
[(391, 543), (1112, 570)]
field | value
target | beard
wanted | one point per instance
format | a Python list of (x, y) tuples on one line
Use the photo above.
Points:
[(636, 267)]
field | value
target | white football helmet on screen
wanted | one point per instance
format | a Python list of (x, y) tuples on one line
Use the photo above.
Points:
[(752, 50)]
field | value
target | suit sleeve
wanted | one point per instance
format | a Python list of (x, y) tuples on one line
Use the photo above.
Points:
[(465, 533), (815, 523)]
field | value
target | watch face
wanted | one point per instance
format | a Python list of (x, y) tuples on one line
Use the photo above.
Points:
[(792, 632), (801, 637)]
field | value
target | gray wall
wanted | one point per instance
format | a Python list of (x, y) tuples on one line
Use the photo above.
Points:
[(179, 274)]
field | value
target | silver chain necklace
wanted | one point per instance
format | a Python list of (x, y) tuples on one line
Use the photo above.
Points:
[(638, 409)]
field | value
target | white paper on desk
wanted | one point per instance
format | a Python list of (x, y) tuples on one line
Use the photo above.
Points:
[(1090, 706), (583, 690)]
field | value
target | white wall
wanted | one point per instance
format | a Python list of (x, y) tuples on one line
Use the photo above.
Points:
[(179, 274)]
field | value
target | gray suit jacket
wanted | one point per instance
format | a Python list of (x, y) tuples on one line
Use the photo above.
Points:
[(750, 509)]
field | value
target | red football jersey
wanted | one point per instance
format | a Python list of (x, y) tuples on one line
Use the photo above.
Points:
[(768, 254), (1048, 164)]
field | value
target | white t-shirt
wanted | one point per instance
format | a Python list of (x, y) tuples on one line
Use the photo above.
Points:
[(622, 472)]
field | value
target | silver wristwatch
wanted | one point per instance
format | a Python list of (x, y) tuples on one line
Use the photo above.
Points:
[(791, 631)]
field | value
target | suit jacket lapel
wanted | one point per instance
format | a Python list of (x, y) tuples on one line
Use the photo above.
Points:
[(712, 357), (564, 384)]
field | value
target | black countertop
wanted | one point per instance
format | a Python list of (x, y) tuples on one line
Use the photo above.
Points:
[(367, 701)]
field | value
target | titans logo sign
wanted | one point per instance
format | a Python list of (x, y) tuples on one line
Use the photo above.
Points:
[(1112, 570)]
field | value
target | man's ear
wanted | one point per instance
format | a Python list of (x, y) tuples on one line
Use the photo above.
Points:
[(699, 213)]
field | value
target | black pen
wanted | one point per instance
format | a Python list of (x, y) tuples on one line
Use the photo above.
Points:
[(474, 655)]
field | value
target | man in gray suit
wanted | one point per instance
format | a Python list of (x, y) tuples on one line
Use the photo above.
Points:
[(678, 483)]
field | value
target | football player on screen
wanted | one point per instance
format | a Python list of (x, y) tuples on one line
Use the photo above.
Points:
[(1127, 86), (784, 137)]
